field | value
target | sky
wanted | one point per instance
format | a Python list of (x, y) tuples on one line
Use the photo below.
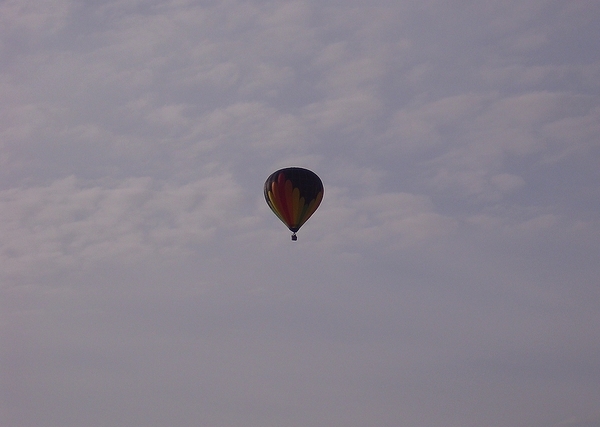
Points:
[(448, 279)]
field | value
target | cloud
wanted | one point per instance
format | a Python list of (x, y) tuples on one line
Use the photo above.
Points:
[(35, 19), (386, 220), (581, 422), (448, 278), (468, 142), (71, 223)]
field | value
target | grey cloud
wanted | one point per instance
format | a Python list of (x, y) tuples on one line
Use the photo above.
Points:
[(70, 224), (448, 278)]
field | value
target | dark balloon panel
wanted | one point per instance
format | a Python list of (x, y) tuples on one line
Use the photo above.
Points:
[(293, 194)]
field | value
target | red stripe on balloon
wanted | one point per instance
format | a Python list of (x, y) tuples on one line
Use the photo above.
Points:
[(282, 199)]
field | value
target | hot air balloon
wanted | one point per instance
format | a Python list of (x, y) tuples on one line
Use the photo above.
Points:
[(293, 194)]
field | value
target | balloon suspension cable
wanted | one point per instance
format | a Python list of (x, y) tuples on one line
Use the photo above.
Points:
[(294, 237)]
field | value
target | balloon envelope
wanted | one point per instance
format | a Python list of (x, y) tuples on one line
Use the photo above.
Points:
[(293, 194)]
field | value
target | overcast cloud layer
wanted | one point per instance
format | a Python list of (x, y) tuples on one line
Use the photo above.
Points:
[(450, 277)]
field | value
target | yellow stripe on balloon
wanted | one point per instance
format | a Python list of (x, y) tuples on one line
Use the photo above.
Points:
[(276, 208)]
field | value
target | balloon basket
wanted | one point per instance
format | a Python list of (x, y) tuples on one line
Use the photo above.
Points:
[(294, 237)]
